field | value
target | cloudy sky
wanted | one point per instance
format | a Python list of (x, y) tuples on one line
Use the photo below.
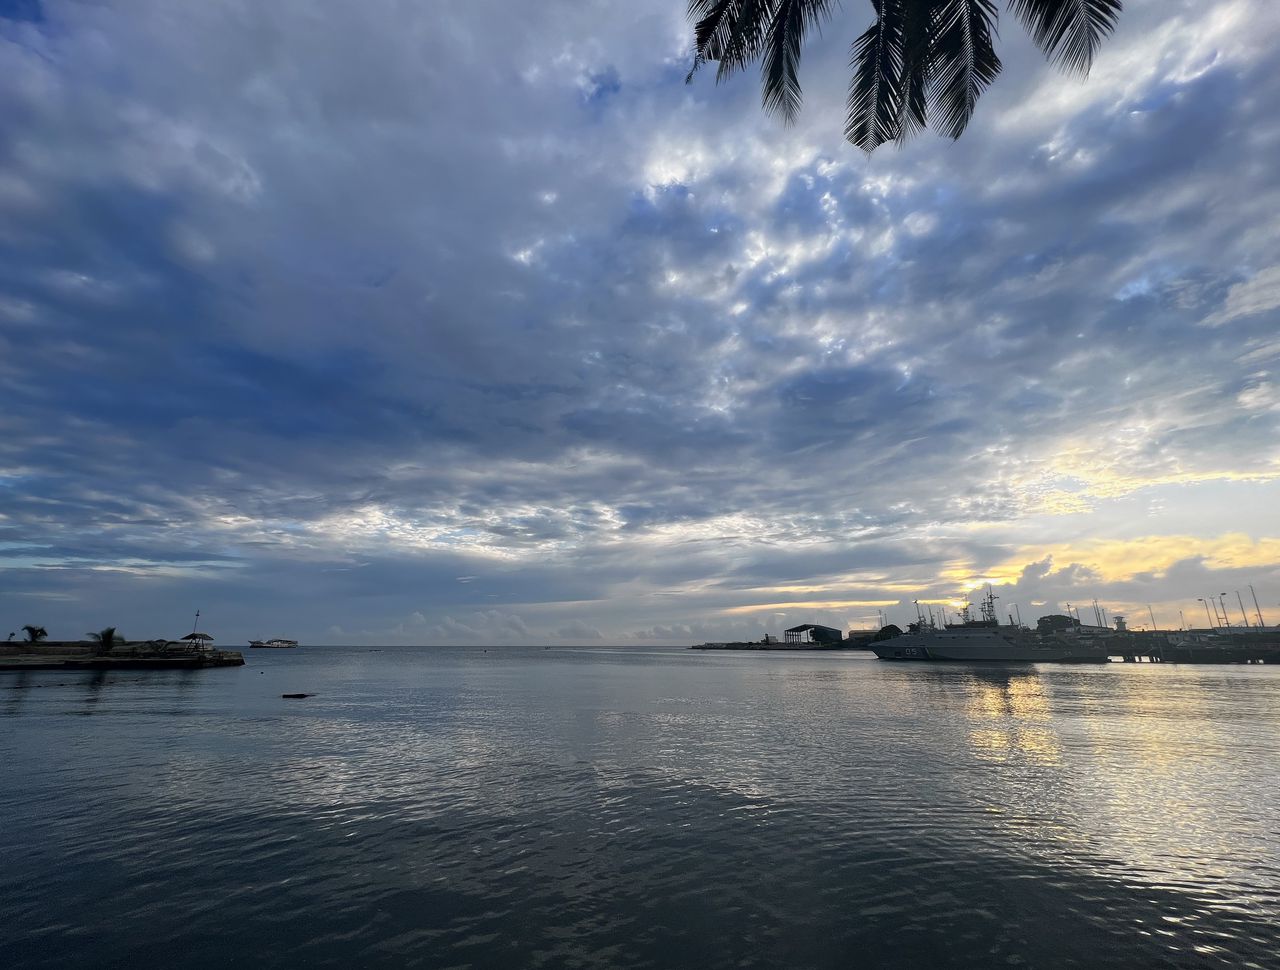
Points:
[(409, 322)]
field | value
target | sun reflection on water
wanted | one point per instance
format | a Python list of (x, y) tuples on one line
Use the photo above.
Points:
[(1011, 718)]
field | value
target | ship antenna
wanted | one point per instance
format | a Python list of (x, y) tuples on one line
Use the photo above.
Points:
[(196, 623), (989, 606)]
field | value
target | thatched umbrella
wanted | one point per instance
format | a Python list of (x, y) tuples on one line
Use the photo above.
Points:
[(197, 639)]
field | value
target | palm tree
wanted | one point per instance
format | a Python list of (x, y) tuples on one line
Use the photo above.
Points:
[(34, 633), (920, 61), (105, 639)]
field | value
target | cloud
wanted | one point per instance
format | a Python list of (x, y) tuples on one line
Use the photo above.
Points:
[(578, 631), (1259, 294)]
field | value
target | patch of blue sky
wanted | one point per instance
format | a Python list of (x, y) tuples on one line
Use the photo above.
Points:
[(601, 86), (28, 11)]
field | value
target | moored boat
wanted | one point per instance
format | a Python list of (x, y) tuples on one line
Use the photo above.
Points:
[(986, 641), (992, 645)]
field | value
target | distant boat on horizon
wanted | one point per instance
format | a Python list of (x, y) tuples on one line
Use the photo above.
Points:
[(279, 643)]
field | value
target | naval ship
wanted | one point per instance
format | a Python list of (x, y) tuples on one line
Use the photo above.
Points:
[(986, 641)]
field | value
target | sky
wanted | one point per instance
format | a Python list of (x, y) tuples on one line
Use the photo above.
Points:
[(408, 322)]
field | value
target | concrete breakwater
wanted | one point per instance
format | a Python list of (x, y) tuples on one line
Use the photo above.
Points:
[(775, 645), (130, 655)]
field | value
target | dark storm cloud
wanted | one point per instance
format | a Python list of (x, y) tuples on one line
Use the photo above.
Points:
[(336, 307)]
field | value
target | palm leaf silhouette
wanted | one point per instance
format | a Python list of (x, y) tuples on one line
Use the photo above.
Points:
[(919, 61)]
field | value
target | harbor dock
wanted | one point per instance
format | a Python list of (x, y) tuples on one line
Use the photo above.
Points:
[(1219, 646)]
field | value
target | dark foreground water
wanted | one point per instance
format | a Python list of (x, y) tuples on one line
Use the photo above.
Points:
[(628, 808)]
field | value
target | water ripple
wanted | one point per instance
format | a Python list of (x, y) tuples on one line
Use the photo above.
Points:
[(610, 808)]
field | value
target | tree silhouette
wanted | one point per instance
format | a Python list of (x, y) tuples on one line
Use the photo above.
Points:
[(920, 62), (105, 639), (1056, 623), (34, 633)]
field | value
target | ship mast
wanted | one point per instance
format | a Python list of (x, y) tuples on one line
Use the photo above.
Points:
[(988, 607)]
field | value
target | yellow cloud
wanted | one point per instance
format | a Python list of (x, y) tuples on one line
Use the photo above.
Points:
[(1061, 502), (1121, 559), (1074, 476), (807, 605), (963, 574), (877, 582), (1112, 485)]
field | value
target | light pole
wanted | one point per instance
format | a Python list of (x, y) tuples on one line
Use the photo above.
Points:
[(1201, 599), (1217, 617), (1255, 605), (1226, 620), (1240, 600)]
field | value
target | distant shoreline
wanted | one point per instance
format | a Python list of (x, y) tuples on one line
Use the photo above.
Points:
[(810, 647)]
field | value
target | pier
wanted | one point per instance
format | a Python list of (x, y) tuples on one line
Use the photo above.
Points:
[(1229, 645)]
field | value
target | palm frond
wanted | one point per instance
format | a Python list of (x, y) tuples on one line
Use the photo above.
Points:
[(780, 81), (917, 66), (920, 62), (712, 22), (744, 38), (875, 92), (1068, 31), (964, 60)]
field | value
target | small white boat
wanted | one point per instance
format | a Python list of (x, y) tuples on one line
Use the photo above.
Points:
[(277, 644)]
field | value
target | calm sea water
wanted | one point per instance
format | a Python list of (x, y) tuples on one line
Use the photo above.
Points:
[(639, 808)]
